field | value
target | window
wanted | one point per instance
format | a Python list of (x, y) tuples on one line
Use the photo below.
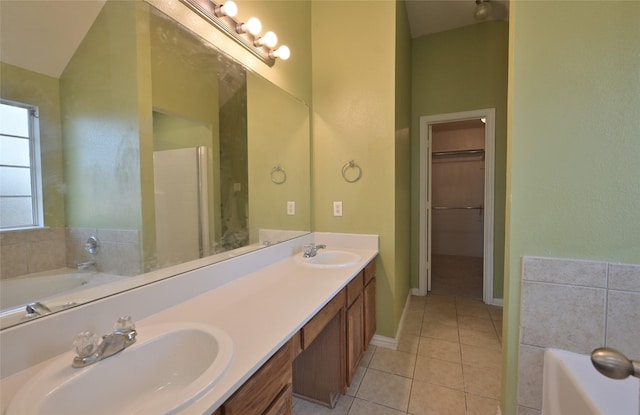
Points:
[(20, 184)]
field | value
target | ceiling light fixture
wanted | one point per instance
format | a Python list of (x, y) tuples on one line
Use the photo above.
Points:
[(221, 16), (483, 10)]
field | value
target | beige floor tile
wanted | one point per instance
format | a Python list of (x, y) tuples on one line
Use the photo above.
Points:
[(440, 332), (412, 327), (439, 349), (393, 361), (368, 354), (473, 308), (479, 405), (478, 324), (495, 311), (480, 339), (440, 318), (408, 343), (385, 389), (357, 379), (481, 381), (302, 407), (481, 357), (441, 372), (431, 399), (362, 407)]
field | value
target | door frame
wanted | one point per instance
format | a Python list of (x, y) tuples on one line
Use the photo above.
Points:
[(426, 121)]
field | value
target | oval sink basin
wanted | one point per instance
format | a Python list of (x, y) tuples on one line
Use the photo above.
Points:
[(164, 371), (330, 259)]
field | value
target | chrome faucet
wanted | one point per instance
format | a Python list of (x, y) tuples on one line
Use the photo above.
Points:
[(37, 308), (82, 266), (311, 250), (91, 348)]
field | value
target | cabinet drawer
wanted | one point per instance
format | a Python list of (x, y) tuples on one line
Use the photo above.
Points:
[(258, 393), (283, 405), (354, 288), (296, 345), (311, 330), (370, 271)]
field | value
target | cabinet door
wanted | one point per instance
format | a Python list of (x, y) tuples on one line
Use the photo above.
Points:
[(369, 312), (355, 337)]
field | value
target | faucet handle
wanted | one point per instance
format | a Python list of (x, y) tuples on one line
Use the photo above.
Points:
[(86, 343), (124, 323)]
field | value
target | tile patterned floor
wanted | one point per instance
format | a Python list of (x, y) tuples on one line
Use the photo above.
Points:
[(448, 362)]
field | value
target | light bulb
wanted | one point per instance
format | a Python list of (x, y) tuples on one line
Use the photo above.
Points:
[(269, 40), (483, 10), (229, 8), (282, 52), (252, 26)]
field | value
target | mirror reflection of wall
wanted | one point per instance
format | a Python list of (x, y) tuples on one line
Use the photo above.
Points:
[(134, 85)]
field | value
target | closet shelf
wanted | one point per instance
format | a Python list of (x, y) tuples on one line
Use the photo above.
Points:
[(469, 152)]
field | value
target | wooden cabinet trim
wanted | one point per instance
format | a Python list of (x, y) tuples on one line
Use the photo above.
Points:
[(258, 393), (370, 271), (311, 330), (354, 288)]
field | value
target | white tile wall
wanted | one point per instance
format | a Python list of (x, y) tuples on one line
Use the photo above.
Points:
[(574, 305)]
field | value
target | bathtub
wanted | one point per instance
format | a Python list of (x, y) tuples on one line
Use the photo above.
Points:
[(57, 289), (572, 386)]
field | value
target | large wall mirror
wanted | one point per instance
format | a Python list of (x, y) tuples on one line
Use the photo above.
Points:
[(152, 153)]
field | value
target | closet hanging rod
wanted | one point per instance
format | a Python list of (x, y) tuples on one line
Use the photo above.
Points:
[(457, 207), (458, 152)]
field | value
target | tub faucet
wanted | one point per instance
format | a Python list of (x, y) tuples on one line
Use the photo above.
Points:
[(311, 250), (91, 348), (82, 266), (37, 308)]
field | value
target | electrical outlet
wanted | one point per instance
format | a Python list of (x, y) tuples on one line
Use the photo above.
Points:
[(291, 208), (337, 208)]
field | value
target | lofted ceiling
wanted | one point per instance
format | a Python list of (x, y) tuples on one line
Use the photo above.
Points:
[(432, 16), (42, 35)]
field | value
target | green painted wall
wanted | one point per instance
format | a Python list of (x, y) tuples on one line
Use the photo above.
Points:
[(402, 166), (276, 140), (574, 143), (21, 85), (99, 95), (354, 107), (461, 70)]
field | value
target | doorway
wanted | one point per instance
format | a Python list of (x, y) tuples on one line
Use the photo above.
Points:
[(456, 204)]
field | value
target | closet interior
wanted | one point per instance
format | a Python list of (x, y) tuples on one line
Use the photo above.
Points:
[(457, 208)]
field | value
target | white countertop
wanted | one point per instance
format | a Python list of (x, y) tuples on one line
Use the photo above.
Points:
[(260, 309), (260, 312)]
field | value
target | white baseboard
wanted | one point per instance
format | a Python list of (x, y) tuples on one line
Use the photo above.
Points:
[(418, 292), (392, 342), (498, 302), (384, 341)]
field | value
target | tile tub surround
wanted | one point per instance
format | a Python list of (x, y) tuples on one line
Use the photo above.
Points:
[(260, 299), (27, 251), (119, 252), (574, 305)]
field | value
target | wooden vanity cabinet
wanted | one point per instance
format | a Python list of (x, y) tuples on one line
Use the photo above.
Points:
[(369, 302), (268, 391), (355, 325)]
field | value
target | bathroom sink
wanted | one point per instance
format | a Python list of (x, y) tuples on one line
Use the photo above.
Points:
[(163, 372), (330, 259)]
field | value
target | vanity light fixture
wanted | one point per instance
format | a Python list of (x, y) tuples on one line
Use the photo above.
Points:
[(483, 10), (229, 8), (253, 26), (221, 16), (269, 40), (282, 52)]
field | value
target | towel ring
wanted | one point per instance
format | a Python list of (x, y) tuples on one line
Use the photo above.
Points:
[(351, 165), (278, 175)]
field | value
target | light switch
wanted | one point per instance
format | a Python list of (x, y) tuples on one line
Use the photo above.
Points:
[(337, 208), (291, 207)]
